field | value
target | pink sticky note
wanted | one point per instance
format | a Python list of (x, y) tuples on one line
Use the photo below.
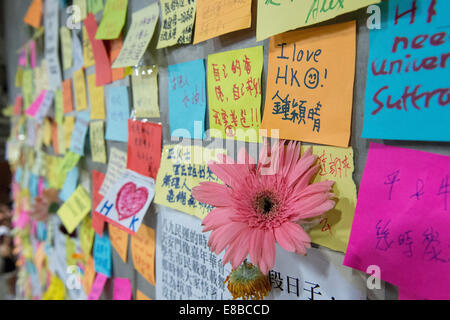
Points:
[(23, 58), (402, 220), (101, 57), (122, 289), (32, 46), (22, 221), (97, 287), (41, 186), (36, 104)]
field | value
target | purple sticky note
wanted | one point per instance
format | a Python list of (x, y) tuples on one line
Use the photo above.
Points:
[(97, 287), (122, 289), (36, 104)]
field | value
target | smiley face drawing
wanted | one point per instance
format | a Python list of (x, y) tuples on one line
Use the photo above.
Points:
[(311, 80)]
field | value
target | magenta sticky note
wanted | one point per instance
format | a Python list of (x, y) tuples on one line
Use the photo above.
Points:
[(32, 46), (97, 287), (36, 104), (401, 222), (122, 289), (22, 221)]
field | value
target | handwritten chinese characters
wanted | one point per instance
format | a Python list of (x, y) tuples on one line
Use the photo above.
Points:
[(234, 93), (401, 219), (310, 85)]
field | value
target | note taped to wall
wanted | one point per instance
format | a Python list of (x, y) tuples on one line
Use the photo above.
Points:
[(75, 209), (51, 37), (127, 201), (97, 99), (336, 164), (309, 94), (407, 90), (234, 94), (119, 240), (144, 82), (143, 253), (79, 84), (117, 114), (177, 22), (33, 17), (187, 99), (97, 139), (401, 220), (117, 165), (142, 27), (113, 19), (218, 17), (181, 169), (67, 95)]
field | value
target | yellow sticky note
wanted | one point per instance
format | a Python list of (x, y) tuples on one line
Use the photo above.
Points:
[(61, 140), (185, 166), (66, 47), (309, 94), (144, 81), (89, 275), (142, 27), (97, 99), (119, 240), (75, 209), (56, 290), (234, 94), (70, 250), (79, 85), (113, 19), (218, 17), (82, 10), (336, 164), (86, 237), (47, 132), (141, 296), (143, 252), (173, 30), (97, 138), (88, 54), (69, 124), (59, 112), (277, 16)]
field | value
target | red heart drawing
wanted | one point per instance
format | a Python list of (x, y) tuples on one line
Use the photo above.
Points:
[(130, 200)]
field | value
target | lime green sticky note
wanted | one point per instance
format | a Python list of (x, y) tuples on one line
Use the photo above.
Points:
[(95, 6), (113, 20), (75, 209)]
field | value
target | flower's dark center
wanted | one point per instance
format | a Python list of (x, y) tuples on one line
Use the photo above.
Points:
[(265, 203)]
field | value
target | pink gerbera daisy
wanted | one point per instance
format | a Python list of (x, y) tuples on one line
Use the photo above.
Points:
[(253, 210)]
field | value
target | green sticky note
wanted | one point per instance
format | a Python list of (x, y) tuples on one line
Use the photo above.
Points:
[(113, 20), (95, 6)]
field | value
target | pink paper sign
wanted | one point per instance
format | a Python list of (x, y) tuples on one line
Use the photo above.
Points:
[(402, 220), (97, 287), (36, 104), (122, 289)]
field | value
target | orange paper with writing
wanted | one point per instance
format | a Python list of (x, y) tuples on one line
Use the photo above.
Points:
[(218, 17), (114, 51), (89, 275), (143, 252), (119, 240), (309, 94), (33, 16), (67, 95)]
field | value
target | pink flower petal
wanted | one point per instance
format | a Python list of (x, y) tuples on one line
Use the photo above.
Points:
[(222, 237), (212, 193), (315, 211), (216, 218), (269, 252), (283, 239)]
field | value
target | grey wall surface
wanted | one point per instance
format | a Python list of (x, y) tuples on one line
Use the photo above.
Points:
[(17, 33)]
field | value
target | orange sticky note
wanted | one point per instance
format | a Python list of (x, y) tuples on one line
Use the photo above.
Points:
[(97, 219), (89, 275), (33, 16), (119, 240), (309, 94), (141, 296), (217, 17), (114, 51), (55, 137), (143, 252), (67, 95)]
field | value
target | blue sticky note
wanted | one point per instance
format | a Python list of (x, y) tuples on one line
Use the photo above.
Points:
[(33, 185), (70, 184), (117, 114), (41, 231), (18, 175), (407, 91), (187, 99), (102, 255), (79, 132)]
